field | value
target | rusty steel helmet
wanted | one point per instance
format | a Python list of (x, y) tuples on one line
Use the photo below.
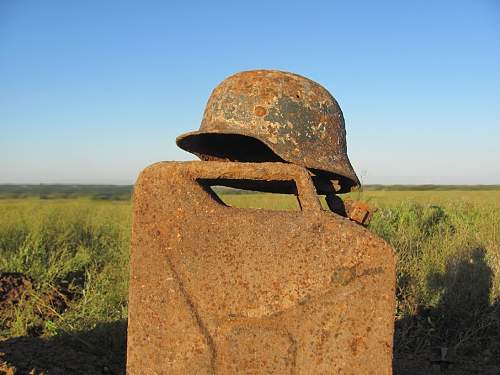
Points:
[(268, 115)]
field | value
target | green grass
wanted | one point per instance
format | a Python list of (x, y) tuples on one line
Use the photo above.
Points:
[(447, 244), (53, 240)]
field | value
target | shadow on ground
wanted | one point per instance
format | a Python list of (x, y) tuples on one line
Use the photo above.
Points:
[(99, 351), (460, 335)]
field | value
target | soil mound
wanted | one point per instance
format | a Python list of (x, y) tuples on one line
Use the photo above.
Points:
[(14, 287), (17, 291)]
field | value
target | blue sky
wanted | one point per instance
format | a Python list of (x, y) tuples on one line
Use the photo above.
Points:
[(94, 91)]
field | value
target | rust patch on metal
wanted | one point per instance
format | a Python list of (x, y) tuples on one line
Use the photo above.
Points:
[(222, 290), (260, 111), (360, 212)]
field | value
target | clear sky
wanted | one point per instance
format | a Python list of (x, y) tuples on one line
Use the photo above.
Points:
[(94, 91)]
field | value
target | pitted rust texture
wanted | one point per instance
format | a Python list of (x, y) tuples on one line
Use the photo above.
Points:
[(222, 290), (295, 119)]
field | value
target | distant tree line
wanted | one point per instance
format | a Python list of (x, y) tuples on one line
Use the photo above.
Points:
[(62, 191), (124, 192)]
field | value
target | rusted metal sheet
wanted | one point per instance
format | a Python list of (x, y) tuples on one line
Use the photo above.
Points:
[(222, 290), (268, 115)]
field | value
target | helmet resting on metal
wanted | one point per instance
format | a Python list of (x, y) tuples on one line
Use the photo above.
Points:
[(268, 115)]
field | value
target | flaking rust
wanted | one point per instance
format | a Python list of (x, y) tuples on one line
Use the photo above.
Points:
[(223, 290)]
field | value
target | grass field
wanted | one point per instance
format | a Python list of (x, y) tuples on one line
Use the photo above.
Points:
[(448, 280)]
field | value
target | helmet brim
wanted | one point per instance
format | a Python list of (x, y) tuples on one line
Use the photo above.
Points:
[(217, 145)]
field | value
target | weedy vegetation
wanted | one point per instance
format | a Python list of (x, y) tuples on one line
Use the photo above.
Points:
[(74, 255)]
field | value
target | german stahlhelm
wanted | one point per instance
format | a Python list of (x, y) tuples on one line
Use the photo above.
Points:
[(268, 115)]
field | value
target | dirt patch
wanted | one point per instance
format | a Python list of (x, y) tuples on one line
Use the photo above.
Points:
[(17, 291), (14, 288)]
